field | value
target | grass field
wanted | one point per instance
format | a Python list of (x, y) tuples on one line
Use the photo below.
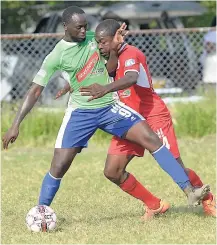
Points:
[(90, 209)]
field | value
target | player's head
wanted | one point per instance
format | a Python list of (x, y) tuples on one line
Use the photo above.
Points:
[(104, 33), (75, 23)]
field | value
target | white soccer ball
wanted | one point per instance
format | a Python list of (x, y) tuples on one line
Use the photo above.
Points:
[(41, 218)]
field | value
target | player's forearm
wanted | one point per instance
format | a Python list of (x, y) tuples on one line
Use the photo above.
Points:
[(112, 62), (29, 102), (123, 83)]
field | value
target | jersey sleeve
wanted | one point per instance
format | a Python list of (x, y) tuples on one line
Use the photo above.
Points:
[(49, 66), (130, 62)]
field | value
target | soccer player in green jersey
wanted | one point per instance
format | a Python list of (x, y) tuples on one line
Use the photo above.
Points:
[(78, 57)]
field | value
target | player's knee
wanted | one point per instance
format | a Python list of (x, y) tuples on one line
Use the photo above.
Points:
[(58, 169), (150, 139), (113, 175)]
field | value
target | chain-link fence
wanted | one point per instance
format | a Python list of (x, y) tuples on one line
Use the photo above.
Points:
[(174, 59)]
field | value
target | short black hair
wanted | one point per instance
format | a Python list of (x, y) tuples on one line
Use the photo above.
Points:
[(70, 11), (108, 27)]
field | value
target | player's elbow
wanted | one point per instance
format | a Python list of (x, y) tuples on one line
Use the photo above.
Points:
[(36, 90), (132, 77), (112, 74)]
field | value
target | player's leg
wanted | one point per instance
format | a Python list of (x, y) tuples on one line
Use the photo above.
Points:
[(122, 121), (142, 134), (120, 153), (61, 162), (166, 133), (76, 129), (115, 171), (209, 201)]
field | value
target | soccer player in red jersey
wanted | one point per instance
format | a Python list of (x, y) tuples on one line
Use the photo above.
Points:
[(139, 95), (132, 68)]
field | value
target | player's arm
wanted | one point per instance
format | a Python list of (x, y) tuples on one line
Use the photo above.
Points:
[(31, 97), (29, 101), (97, 91), (63, 91), (118, 39), (131, 69), (127, 81), (67, 88)]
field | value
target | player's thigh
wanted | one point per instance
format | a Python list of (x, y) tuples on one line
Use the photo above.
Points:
[(165, 131), (115, 165), (62, 160), (120, 146), (143, 135), (77, 128), (117, 119)]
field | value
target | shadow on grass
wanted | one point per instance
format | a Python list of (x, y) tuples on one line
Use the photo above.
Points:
[(93, 220), (98, 219), (187, 210)]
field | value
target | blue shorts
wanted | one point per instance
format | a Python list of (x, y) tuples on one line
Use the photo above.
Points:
[(80, 124)]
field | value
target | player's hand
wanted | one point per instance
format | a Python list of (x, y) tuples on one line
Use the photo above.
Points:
[(95, 90), (63, 91), (118, 38), (10, 136)]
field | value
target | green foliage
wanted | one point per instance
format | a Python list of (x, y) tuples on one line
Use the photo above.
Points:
[(199, 21), (7, 4), (41, 126), (196, 119), (204, 20), (37, 128), (211, 5)]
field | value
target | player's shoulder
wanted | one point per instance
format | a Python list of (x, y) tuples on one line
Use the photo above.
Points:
[(62, 45), (133, 49), (59, 47)]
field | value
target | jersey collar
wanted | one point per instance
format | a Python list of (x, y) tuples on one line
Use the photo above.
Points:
[(123, 46), (69, 43)]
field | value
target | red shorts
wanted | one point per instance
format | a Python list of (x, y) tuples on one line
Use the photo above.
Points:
[(165, 131)]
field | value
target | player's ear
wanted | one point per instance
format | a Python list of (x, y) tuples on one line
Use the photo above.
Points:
[(65, 26)]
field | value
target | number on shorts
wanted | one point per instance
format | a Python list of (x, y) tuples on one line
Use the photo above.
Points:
[(120, 110)]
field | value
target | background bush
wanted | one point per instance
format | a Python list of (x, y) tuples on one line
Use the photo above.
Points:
[(40, 127)]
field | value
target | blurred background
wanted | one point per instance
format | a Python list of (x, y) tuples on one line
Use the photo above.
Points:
[(179, 41), (178, 38)]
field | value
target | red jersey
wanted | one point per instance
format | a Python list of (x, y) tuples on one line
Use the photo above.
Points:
[(141, 96)]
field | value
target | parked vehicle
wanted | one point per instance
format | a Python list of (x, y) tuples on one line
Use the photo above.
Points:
[(28, 54)]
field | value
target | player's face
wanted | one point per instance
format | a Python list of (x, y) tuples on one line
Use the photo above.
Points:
[(77, 27), (104, 43)]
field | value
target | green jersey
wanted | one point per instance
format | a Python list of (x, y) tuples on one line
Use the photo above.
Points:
[(82, 65)]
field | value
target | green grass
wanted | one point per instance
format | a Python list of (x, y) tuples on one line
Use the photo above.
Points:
[(90, 209), (195, 119)]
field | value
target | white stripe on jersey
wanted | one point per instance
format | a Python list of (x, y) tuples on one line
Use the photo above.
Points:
[(61, 132)]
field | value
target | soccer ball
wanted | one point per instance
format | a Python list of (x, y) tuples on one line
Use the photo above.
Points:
[(41, 218)]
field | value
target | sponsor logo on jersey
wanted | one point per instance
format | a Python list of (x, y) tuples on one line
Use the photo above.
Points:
[(92, 45), (87, 69), (98, 71), (130, 62), (125, 93)]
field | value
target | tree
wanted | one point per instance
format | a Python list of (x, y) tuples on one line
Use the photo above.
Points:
[(211, 5)]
